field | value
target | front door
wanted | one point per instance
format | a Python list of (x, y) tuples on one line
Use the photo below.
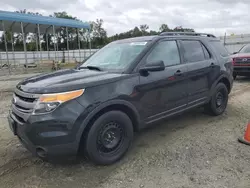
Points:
[(163, 92)]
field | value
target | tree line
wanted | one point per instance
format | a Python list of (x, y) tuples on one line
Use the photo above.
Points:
[(97, 35)]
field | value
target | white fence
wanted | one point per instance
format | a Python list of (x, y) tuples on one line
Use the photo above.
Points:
[(18, 58), (236, 42), (232, 43)]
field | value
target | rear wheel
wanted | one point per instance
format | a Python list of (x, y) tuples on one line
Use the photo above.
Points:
[(109, 138), (218, 102)]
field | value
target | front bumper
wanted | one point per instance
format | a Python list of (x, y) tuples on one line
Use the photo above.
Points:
[(49, 135), (242, 70), (39, 149)]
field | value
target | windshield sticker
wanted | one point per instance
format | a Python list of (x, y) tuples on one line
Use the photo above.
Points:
[(138, 43)]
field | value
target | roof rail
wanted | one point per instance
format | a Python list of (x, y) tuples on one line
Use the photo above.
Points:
[(186, 33)]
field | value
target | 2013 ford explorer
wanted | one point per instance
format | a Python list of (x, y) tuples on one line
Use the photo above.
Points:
[(123, 88)]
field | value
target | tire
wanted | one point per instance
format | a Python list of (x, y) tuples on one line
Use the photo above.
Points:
[(109, 138), (234, 76), (218, 101)]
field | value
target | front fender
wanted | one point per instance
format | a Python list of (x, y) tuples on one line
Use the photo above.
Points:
[(87, 118)]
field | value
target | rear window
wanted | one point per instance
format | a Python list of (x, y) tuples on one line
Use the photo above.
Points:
[(219, 47)]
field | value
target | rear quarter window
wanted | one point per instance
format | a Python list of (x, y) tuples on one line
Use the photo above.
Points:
[(219, 47)]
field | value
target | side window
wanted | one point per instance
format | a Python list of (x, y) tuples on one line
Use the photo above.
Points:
[(220, 48), (166, 51), (206, 53), (193, 51)]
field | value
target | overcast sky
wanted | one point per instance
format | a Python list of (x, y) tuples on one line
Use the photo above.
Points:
[(213, 16)]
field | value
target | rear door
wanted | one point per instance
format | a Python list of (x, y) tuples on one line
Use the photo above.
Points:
[(201, 66)]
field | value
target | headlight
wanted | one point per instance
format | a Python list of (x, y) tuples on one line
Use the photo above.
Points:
[(48, 102)]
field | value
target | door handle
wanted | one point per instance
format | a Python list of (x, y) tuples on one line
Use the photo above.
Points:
[(178, 73), (212, 65)]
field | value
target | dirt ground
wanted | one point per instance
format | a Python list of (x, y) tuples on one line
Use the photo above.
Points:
[(188, 151)]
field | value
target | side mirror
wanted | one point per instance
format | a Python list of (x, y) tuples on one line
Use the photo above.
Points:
[(152, 67), (235, 52)]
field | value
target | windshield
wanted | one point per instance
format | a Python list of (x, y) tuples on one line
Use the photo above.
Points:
[(115, 56), (245, 49)]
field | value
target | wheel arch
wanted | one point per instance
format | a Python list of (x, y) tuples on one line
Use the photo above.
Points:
[(120, 105), (222, 79), (225, 81)]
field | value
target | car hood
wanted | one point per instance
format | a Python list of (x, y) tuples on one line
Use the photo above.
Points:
[(66, 80), (241, 55)]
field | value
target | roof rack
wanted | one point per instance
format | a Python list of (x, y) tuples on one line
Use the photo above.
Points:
[(186, 33)]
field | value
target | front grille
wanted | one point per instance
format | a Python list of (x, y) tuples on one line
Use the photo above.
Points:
[(242, 60), (25, 98), (22, 109), (23, 104), (20, 119)]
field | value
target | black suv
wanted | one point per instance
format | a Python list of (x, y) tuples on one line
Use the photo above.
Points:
[(122, 88)]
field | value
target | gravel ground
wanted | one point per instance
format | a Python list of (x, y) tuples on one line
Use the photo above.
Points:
[(8, 82), (188, 151)]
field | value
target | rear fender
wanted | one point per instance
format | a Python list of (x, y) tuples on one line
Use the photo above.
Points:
[(223, 76)]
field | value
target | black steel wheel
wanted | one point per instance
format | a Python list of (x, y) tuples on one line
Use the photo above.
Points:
[(219, 99), (109, 138)]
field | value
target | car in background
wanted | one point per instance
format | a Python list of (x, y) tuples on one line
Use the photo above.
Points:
[(241, 62), (30, 65)]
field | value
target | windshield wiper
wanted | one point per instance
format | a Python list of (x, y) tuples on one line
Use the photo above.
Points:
[(91, 68)]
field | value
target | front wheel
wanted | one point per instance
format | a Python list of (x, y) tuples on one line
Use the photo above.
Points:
[(218, 102), (109, 138)]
